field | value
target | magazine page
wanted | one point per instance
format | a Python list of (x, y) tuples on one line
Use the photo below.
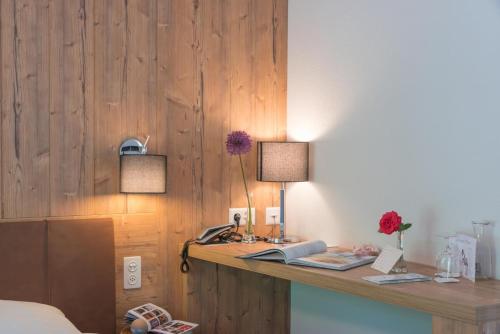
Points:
[(152, 314), (272, 256), (303, 249), (334, 258), (175, 327), (275, 254), (289, 251)]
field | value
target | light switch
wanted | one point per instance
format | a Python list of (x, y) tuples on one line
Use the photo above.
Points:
[(132, 272), (272, 215)]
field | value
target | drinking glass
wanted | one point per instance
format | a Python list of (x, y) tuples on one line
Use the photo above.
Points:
[(484, 258), (448, 262)]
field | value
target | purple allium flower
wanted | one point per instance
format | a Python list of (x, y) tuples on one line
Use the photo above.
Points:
[(238, 142)]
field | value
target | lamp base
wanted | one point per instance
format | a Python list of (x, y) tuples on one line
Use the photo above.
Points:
[(286, 240)]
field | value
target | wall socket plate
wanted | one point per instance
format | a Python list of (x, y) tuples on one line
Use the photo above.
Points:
[(270, 212), (132, 268), (244, 215)]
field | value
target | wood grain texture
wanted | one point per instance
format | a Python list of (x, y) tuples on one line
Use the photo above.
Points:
[(2, 76), (138, 235), (446, 326), (111, 25), (269, 95), (25, 108), (163, 19), (180, 86), (235, 301), (79, 76), (465, 301), (140, 89), (71, 107)]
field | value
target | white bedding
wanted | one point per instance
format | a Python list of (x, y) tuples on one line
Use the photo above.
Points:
[(23, 317)]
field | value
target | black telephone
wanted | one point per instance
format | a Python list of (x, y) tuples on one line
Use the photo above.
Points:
[(214, 234)]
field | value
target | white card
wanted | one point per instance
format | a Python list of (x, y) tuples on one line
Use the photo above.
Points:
[(387, 259), (465, 246)]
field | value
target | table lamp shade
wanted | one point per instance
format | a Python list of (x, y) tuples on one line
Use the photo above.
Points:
[(143, 174), (282, 161)]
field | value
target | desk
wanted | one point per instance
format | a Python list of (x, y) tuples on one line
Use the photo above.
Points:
[(464, 307)]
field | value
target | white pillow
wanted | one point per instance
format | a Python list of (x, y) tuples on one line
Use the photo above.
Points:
[(23, 317)]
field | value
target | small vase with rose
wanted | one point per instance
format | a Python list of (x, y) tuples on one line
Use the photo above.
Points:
[(391, 222)]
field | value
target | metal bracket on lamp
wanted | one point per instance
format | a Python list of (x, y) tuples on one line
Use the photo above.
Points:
[(134, 146)]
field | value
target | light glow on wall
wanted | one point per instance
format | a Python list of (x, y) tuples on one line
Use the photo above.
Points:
[(303, 220), (311, 124)]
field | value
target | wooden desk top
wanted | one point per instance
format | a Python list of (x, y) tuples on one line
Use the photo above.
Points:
[(464, 301)]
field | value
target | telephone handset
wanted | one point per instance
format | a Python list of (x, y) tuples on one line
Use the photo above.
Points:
[(213, 233)]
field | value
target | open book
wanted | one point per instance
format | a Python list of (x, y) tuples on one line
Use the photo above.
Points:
[(312, 254), (159, 320)]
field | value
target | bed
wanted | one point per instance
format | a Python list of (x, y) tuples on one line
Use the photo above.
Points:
[(58, 276)]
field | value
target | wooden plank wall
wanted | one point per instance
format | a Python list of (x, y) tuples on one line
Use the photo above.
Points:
[(79, 76), (228, 300)]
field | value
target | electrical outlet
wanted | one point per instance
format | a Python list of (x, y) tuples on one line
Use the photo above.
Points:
[(132, 272), (272, 215), (244, 215)]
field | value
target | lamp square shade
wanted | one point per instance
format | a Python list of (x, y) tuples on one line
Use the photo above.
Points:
[(282, 161), (143, 174)]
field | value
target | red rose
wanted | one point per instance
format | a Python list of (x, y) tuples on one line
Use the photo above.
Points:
[(390, 222)]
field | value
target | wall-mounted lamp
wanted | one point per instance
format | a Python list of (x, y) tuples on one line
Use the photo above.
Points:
[(282, 162), (141, 173)]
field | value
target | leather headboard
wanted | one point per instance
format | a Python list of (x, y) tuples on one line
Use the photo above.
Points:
[(69, 264)]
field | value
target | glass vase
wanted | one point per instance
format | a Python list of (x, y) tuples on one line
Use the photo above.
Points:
[(448, 262), (484, 257), (400, 267), (249, 234)]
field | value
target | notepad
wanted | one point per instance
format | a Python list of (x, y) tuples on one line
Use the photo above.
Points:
[(398, 278)]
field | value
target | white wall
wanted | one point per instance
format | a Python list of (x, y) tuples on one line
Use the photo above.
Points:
[(401, 101)]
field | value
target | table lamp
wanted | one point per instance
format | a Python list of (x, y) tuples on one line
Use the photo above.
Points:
[(282, 162)]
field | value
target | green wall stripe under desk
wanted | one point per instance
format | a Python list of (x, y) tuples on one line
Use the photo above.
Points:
[(320, 311)]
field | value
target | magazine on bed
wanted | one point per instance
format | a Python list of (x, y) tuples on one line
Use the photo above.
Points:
[(312, 254), (159, 320)]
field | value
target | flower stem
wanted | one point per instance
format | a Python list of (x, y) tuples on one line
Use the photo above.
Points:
[(249, 222)]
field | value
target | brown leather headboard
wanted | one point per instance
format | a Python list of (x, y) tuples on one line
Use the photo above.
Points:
[(69, 264)]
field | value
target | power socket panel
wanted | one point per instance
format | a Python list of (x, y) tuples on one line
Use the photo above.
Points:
[(272, 215), (132, 272), (244, 215)]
